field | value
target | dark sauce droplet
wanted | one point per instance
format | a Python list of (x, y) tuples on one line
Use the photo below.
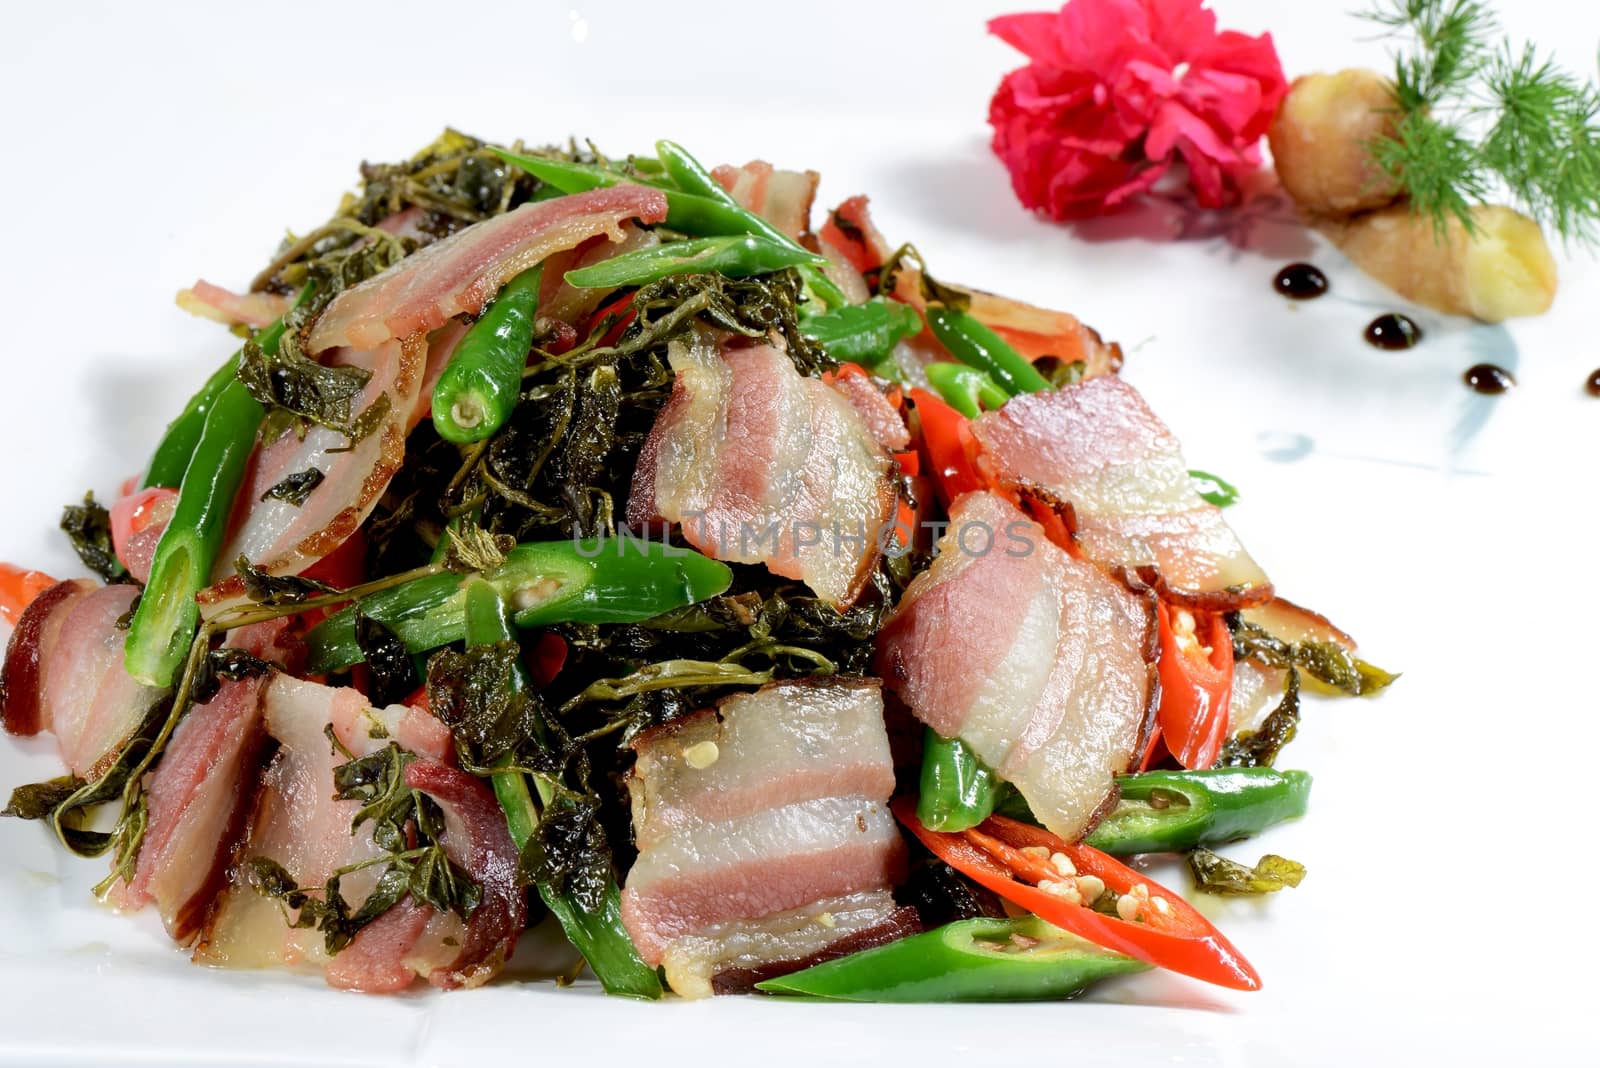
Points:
[(1393, 332), (1487, 378), (1593, 385), (1300, 281)]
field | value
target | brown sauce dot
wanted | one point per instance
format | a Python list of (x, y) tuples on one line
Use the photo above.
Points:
[(1487, 378), (1593, 385), (1393, 332), (1300, 281)]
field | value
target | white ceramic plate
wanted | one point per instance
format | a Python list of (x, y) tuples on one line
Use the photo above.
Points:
[(1447, 913)]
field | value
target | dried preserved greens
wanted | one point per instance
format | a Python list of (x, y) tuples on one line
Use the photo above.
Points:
[(1216, 874), (295, 488), (88, 526)]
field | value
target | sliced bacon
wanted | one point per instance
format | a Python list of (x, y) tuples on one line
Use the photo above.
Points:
[(748, 815), (850, 229), (284, 538), (65, 673), (463, 272), (882, 418), (138, 520), (571, 305), (783, 198), (1099, 447), (298, 824), (200, 795), (225, 306), (743, 954), (761, 465), (476, 838), (843, 272), (1040, 662), (441, 349), (22, 707)]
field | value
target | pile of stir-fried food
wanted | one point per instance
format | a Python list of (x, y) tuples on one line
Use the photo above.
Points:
[(595, 539)]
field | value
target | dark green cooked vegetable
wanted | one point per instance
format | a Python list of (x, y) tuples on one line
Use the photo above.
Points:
[(1171, 811), (958, 791), (597, 580), (1214, 874), (972, 960), (599, 934), (163, 625), (975, 345), (477, 391), (737, 256), (862, 333)]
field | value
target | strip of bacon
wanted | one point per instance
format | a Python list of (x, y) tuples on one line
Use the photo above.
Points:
[(209, 301), (783, 198), (64, 673), (761, 465), (747, 816), (1039, 662), (285, 539), (200, 795), (1098, 447), (463, 272)]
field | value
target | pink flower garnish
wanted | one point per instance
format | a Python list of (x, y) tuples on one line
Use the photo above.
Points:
[(1116, 89)]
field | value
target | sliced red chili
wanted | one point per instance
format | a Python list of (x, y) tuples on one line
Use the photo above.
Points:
[(1196, 685), (1166, 930)]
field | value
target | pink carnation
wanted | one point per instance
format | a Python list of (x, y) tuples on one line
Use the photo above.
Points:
[(1116, 88)]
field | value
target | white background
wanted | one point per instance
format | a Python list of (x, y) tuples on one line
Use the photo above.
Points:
[(1449, 911)]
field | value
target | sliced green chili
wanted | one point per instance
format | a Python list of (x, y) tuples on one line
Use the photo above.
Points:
[(475, 394), (970, 960), (958, 790), (736, 256), (966, 389), (975, 345), (596, 580), (1213, 488)]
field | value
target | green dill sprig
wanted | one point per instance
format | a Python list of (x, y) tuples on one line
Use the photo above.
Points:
[(1478, 118)]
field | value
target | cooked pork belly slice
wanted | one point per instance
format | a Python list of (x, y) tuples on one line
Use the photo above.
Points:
[(762, 465), (461, 274), (1040, 662), (732, 957), (768, 806), (1098, 447)]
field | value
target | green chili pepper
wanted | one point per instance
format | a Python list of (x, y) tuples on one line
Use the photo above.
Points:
[(862, 333), (171, 457), (1218, 491), (971, 960), (707, 210), (481, 385), (976, 345), (596, 580), (1171, 811), (738, 256), (966, 389), (599, 936), (958, 790), (163, 625), (692, 177)]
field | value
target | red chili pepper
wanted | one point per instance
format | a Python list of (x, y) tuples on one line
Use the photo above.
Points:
[(18, 588), (1175, 937), (620, 306), (546, 659), (950, 447), (1196, 688)]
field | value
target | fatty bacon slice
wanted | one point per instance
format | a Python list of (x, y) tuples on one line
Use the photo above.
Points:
[(284, 538), (299, 824), (760, 464), (64, 673), (200, 795), (1098, 447), (463, 272), (765, 844), (1041, 663), (783, 198)]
